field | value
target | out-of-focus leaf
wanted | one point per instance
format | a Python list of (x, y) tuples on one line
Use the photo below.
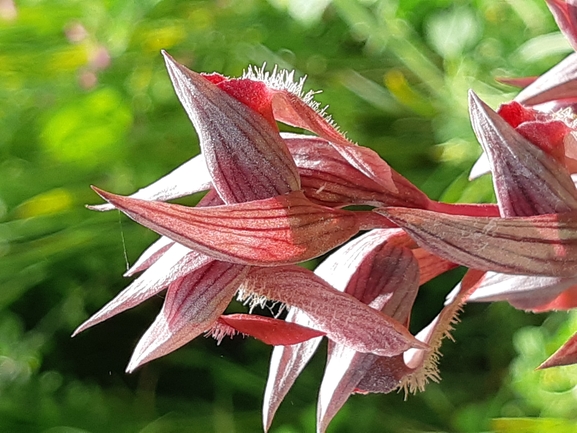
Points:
[(532, 425), (87, 130)]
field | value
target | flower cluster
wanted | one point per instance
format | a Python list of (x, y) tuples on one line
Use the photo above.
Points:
[(275, 200)]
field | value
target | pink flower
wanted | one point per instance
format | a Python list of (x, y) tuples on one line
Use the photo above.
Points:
[(257, 221)]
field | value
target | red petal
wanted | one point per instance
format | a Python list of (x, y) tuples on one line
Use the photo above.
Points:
[(566, 355), (430, 265), (253, 94), (344, 319), (193, 303), (284, 229), (557, 84), (330, 179), (244, 154), (269, 330), (515, 114), (527, 180), (539, 245), (548, 136), (387, 277)]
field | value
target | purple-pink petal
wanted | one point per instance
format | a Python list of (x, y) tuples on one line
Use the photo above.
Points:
[(193, 303)]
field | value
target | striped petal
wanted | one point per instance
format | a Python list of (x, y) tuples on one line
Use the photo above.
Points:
[(175, 263), (279, 230), (330, 179), (537, 245), (193, 303), (343, 318), (527, 180), (244, 153)]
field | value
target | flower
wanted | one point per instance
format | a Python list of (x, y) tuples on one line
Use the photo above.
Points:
[(256, 221), (275, 200)]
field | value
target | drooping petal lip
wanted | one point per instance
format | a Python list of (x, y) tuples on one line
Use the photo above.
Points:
[(269, 330)]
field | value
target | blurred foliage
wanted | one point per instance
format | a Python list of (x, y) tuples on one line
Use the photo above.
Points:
[(85, 99)]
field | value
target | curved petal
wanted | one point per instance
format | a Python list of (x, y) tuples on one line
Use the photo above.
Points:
[(527, 180), (537, 245), (190, 178), (387, 279), (269, 330), (329, 179), (300, 288), (174, 264), (245, 155), (519, 288), (192, 305)]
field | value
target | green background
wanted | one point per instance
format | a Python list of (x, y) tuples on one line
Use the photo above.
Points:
[(85, 99)]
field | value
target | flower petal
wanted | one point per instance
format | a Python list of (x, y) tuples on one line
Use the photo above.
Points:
[(298, 287), (174, 264), (279, 230), (338, 269), (155, 251), (190, 178), (244, 154), (566, 300), (150, 255), (565, 14), (330, 179), (423, 362), (538, 245), (430, 265), (289, 105), (271, 331), (193, 303), (565, 355), (387, 279), (519, 288), (286, 364), (527, 180)]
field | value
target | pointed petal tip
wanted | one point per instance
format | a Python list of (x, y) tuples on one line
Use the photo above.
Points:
[(167, 57), (473, 97), (136, 362), (99, 191), (108, 196), (83, 327)]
